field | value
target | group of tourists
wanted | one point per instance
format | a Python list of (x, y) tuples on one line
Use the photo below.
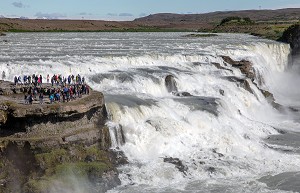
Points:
[(56, 79), (62, 89)]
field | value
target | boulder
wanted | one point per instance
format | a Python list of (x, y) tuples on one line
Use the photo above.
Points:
[(178, 164), (171, 83), (182, 94), (222, 92)]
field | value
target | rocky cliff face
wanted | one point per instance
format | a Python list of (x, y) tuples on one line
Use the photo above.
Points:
[(292, 36), (56, 147)]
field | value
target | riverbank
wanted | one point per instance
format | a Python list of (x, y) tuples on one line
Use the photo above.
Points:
[(53, 147)]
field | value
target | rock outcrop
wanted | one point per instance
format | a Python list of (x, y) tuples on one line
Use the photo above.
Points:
[(244, 65), (54, 147), (248, 71), (292, 37), (171, 83)]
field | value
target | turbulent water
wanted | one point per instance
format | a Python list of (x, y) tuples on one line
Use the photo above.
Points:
[(216, 140)]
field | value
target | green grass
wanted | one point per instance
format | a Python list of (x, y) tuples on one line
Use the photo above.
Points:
[(80, 169)]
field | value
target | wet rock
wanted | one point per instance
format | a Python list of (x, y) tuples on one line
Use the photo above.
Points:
[(197, 63), (182, 94), (104, 182), (171, 84), (244, 65), (90, 158), (219, 154), (119, 134), (208, 104), (2, 34), (294, 109), (222, 92), (217, 65), (268, 95), (118, 157), (178, 164), (246, 86), (281, 131), (211, 170), (244, 83), (246, 136), (234, 79)]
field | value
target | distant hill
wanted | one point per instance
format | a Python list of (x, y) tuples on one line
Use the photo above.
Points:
[(256, 15), (266, 23)]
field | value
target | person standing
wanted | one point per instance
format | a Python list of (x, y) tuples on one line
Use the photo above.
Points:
[(41, 79), (16, 80), (30, 99), (3, 75), (41, 97), (29, 79)]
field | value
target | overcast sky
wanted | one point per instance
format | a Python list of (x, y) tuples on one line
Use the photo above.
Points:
[(128, 9)]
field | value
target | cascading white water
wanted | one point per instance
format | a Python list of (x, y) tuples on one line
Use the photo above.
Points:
[(217, 132)]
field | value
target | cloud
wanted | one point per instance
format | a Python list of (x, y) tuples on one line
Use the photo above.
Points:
[(40, 15), (125, 15), (112, 14), (19, 4)]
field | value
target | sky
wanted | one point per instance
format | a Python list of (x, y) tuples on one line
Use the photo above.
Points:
[(128, 9)]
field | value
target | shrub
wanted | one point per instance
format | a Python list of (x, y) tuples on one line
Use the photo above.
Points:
[(245, 20), (229, 19)]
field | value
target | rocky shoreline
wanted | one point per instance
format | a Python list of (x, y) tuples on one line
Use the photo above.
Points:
[(55, 147)]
